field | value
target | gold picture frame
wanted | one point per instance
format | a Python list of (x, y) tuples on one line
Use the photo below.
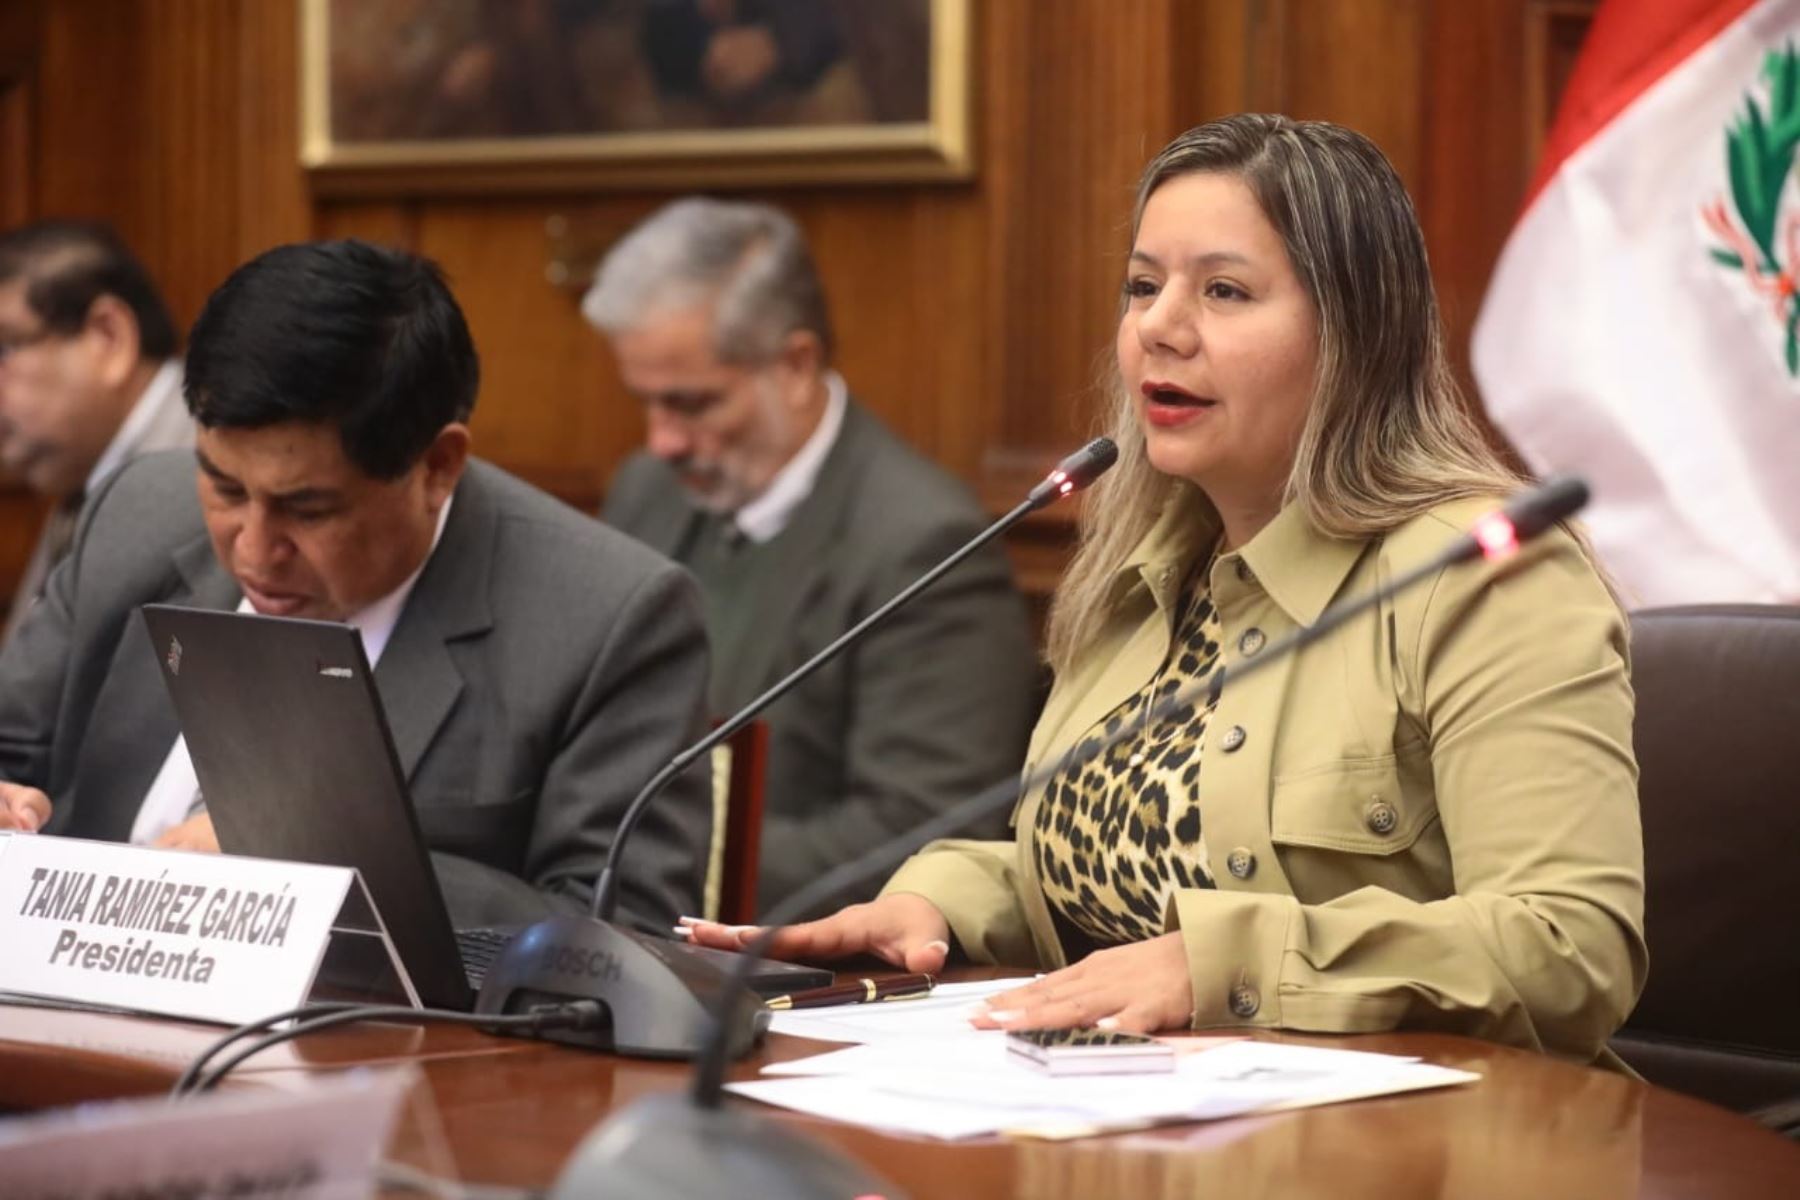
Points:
[(355, 110)]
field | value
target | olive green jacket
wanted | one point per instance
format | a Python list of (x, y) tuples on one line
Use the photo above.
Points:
[(1428, 820)]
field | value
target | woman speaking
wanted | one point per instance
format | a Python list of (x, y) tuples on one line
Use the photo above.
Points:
[(1427, 820)]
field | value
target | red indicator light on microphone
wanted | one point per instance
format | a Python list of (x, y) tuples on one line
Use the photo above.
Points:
[(1496, 537)]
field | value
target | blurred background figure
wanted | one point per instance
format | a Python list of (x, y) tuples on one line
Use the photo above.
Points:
[(88, 374), (800, 513)]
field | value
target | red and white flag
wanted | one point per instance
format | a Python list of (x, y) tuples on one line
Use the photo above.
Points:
[(1643, 325)]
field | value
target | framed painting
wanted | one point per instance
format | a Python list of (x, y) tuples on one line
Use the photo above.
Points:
[(439, 96)]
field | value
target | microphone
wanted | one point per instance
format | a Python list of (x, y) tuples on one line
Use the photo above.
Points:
[(660, 992), (1070, 475), (674, 1146), (1074, 472), (1498, 534)]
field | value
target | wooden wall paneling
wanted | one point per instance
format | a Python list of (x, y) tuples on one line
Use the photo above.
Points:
[(1092, 86), (543, 412), (21, 512), (92, 106), (174, 120), (18, 55), (973, 317), (193, 153), (17, 173), (1333, 50), (1226, 57), (385, 222), (901, 267), (1553, 32), (1476, 161), (274, 203)]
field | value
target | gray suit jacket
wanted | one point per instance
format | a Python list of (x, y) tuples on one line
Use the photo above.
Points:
[(167, 427), (543, 668), (931, 707)]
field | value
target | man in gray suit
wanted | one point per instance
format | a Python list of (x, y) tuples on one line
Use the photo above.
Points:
[(800, 514), (88, 375), (536, 667)]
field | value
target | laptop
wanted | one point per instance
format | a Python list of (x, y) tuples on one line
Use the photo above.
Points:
[(291, 746)]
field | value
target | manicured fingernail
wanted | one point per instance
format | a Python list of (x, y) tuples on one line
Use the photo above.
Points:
[(1002, 1014), (1107, 1023), (683, 931), (692, 920), (944, 946)]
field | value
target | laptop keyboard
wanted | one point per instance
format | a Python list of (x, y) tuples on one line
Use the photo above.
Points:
[(479, 948)]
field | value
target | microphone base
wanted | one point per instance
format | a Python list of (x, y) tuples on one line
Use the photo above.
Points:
[(659, 1001), (668, 1148)]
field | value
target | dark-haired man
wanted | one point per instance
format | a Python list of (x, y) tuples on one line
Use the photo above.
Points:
[(88, 374), (536, 667)]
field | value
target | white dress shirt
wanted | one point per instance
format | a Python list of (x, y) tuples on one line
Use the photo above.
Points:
[(767, 515), (131, 431), (176, 789)]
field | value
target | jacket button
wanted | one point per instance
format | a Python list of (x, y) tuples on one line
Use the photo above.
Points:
[(1252, 641), (1245, 1001), (1241, 862), (1234, 737), (1381, 818)]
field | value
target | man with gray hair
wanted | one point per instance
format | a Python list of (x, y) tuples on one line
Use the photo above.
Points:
[(800, 514)]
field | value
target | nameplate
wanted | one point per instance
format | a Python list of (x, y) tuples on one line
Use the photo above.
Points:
[(180, 934), (323, 1140)]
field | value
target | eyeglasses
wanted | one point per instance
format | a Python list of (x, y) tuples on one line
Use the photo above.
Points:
[(12, 343)]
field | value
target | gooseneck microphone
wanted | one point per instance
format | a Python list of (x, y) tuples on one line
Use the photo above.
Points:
[(663, 995), (674, 1146), (1070, 475)]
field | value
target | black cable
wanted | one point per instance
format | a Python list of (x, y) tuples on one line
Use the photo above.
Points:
[(576, 1014), (194, 1068)]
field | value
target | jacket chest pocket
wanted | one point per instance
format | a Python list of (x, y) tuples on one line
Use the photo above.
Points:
[(1369, 806)]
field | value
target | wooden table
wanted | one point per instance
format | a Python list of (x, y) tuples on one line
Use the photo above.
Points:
[(512, 1111)]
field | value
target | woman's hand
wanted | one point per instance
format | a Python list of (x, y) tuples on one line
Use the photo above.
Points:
[(903, 929), (1140, 988)]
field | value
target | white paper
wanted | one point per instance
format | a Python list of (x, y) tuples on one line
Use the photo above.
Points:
[(968, 1085), (322, 1143)]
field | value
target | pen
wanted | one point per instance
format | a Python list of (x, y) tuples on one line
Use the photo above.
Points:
[(859, 991)]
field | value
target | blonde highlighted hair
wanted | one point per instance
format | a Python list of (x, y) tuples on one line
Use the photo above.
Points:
[(1387, 434)]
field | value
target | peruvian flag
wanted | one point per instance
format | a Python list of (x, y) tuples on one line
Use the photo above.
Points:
[(1643, 327)]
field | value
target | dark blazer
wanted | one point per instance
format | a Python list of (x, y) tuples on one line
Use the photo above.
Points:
[(928, 709), (543, 668)]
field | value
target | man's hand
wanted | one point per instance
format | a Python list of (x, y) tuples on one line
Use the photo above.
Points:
[(23, 809), (1140, 988), (195, 833), (903, 929)]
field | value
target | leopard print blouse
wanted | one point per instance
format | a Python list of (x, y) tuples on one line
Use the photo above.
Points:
[(1116, 842)]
